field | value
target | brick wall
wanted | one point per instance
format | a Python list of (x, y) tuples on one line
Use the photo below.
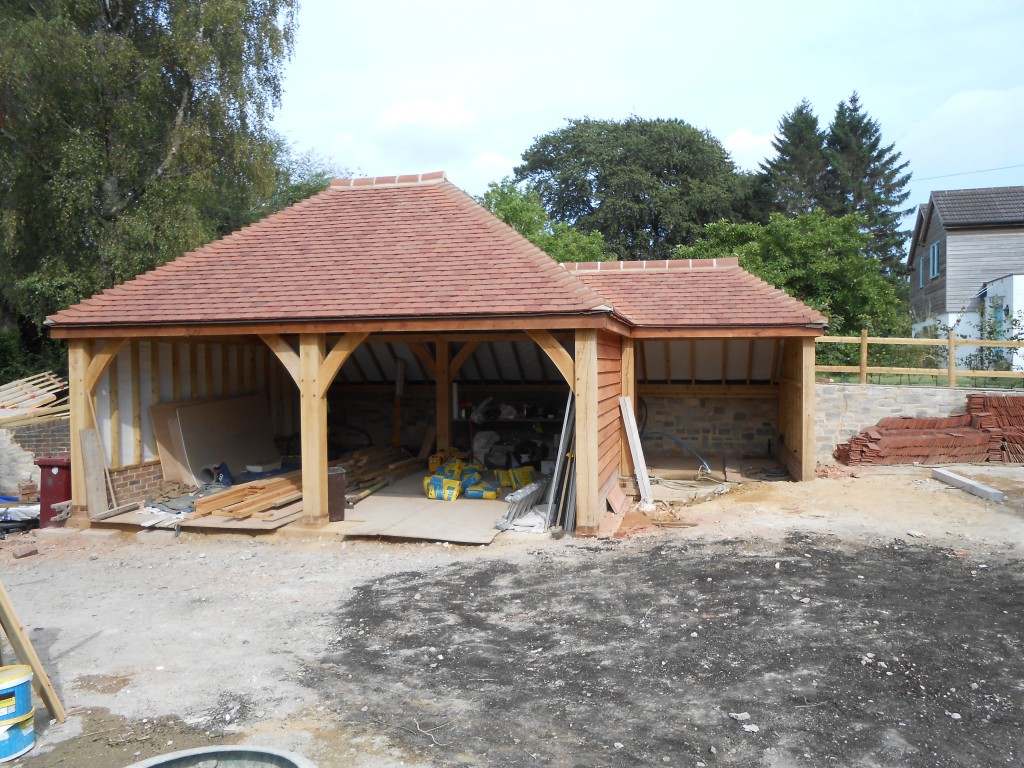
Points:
[(47, 438), (734, 427), (843, 410), (133, 483)]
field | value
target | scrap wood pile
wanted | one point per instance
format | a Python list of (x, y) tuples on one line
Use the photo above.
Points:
[(33, 399), (992, 430), (275, 498)]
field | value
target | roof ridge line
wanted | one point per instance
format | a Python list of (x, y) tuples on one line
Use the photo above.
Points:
[(434, 177)]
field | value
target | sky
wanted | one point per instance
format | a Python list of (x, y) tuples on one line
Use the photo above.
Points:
[(396, 86)]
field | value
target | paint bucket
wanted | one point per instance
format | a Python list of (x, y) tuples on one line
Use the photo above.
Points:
[(18, 737), (15, 693)]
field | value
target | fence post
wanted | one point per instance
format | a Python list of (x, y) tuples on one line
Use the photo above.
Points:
[(864, 356), (952, 358)]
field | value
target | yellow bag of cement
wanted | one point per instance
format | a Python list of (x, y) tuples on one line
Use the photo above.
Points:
[(517, 478), (486, 490), (443, 488), (451, 469)]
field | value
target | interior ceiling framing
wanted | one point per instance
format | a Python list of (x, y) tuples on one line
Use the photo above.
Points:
[(508, 362)]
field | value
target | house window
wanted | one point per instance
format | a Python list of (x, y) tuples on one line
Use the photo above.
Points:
[(933, 254), (920, 273)]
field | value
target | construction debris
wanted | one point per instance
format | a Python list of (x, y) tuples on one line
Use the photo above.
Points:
[(992, 430)]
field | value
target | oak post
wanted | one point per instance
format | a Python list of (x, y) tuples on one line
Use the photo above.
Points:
[(588, 512), (443, 396), (313, 417)]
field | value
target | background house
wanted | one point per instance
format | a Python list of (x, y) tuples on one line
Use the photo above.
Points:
[(967, 263)]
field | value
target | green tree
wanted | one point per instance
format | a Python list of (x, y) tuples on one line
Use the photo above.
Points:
[(130, 132), (523, 211), (867, 178), (646, 185), (818, 259), (796, 175)]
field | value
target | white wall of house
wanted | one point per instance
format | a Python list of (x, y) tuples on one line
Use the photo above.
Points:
[(966, 324), (1005, 296)]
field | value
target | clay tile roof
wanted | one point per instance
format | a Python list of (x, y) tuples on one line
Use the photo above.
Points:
[(980, 207), (392, 247), (693, 294)]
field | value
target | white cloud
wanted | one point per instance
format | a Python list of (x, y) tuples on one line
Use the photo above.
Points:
[(449, 114), (747, 148)]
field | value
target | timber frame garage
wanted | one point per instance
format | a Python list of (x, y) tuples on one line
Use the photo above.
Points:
[(414, 267)]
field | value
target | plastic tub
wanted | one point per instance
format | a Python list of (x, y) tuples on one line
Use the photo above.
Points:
[(226, 757), (18, 737), (15, 693)]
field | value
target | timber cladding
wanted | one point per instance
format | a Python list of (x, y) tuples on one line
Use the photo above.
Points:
[(609, 422)]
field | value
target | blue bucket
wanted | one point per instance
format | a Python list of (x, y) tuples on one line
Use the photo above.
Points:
[(15, 693), (18, 737)]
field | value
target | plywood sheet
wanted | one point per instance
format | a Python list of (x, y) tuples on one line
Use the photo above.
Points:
[(402, 511), (236, 432), (167, 435)]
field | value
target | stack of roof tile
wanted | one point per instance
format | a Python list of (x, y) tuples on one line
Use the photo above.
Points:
[(1002, 414), (992, 430)]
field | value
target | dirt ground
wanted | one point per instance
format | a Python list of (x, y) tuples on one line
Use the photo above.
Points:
[(850, 621)]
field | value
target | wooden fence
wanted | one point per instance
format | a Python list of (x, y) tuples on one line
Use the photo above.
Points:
[(952, 344)]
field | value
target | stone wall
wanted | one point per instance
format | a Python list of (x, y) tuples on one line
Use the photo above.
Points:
[(16, 465), (21, 446), (843, 410), (734, 427)]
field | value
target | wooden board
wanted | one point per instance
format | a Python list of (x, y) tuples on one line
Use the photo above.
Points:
[(636, 449), (23, 649), (140, 519), (237, 432), (92, 467)]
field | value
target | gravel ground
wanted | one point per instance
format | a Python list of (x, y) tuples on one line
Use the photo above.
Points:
[(869, 621)]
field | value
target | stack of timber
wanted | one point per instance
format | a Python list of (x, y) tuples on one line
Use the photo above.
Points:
[(278, 499), (33, 399), (270, 500), (370, 469), (992, 430)]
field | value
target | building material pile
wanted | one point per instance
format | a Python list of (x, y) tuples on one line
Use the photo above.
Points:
[(276, 498), (33, 399), (1003, 416), (370, 469), (992, 430)]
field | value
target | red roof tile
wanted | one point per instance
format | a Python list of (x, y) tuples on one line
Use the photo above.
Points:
[(416, 246), (693, 294), (393, 247)]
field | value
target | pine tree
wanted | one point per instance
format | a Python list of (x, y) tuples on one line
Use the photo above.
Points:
[(866, 177), (796, 176)]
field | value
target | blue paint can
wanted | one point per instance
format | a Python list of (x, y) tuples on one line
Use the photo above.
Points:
[(18, 737), (15, 693)]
